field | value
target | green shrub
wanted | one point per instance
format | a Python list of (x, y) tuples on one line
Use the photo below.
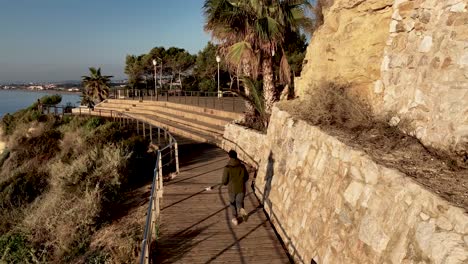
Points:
[(106, 133), (98, 258), (94, 122), (22, 187), (44, 147), (15, 248), (51, 99), (66, 119), (8, 124)]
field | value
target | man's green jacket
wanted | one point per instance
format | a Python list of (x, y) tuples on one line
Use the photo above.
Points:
[(235, 176)]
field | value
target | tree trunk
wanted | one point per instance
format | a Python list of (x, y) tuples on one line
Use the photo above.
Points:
[(247, 72), (268, 84)]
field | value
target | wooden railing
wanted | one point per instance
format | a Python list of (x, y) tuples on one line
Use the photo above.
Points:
[(154, 208), (167, 154), (225, 100)]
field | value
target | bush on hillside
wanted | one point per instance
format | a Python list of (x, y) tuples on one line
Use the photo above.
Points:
[(16, 249), (331, 104), (61, 182), (51, 99)]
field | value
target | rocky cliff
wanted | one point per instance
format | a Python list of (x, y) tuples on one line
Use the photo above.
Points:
[(407, 59)]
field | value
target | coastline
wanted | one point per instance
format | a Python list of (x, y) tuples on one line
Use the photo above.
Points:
[(41, 91)]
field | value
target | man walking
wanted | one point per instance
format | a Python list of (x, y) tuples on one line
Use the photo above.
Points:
[(235, 176)]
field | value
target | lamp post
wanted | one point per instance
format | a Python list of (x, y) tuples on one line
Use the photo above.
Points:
[(218, 60), (155, 78)]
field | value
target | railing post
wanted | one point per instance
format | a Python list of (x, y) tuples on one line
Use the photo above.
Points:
[(155, 213), (160, 178), (151, 133), (170, 149), (147, 253), (138, 128), (176, 147), (144, 130), (159, 136)]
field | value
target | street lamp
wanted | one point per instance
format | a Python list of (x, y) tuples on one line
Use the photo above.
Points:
[(218, 60), (155, 78), (161, 72)]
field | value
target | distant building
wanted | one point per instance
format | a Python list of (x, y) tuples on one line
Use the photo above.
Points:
[(50, 86), (35, 87)]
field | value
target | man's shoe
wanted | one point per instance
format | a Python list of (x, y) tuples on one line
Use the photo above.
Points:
[(234, 221), (244, 215)]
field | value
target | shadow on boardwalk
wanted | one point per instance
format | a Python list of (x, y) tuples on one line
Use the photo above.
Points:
[(195, 225)]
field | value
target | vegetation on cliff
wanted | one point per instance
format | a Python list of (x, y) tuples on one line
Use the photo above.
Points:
[(340, 113), (63, 187)]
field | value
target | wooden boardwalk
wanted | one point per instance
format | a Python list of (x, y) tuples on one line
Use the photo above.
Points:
[(196, 224)]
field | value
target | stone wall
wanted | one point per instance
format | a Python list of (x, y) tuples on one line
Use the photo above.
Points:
[(334, 204), (425, 72), (407, 59), (246, 142)]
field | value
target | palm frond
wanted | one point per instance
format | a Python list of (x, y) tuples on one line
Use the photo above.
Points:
[(242, 52)]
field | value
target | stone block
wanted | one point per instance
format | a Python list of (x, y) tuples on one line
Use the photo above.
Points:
[(406, 9), (424, 216), (353, 192), (371, 233), (444, 223), (459, 7), (426, 44), (424, 233)]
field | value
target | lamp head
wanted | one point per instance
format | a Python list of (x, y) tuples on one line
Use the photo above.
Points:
[(218, 59), (155, 62)]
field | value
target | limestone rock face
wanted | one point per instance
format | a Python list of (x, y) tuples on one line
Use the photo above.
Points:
[(349, 47), (407, 59)]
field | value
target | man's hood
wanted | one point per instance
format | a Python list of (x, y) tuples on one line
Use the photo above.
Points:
[(233, 162)]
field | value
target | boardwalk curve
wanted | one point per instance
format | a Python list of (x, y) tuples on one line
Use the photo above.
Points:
[(195, 222)]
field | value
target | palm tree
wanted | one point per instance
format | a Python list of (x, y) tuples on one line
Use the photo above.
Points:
[(96, 85), (253, 31), (253, 94)]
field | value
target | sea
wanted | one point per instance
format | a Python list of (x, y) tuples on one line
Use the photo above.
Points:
[(14, 100)]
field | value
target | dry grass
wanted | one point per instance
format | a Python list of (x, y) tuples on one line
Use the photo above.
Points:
[(60, 223), (81, 168), (332, 105), (66, 216), (342, 115), (121, 241)]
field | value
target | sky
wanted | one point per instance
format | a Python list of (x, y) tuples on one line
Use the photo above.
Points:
[(57, 40)]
